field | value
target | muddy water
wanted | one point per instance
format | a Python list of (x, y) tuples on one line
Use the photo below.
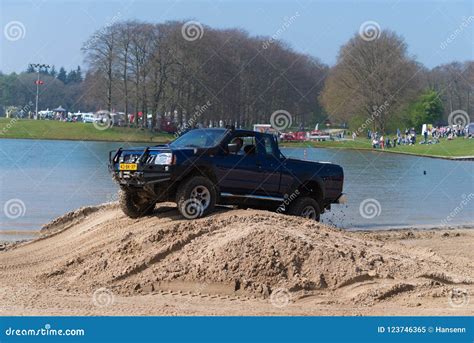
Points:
[(40, 180), (393, 190)]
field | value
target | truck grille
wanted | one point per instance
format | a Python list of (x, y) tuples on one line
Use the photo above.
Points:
[(129, 158)]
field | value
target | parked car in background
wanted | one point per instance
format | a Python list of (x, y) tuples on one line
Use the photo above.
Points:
[(89, 118)]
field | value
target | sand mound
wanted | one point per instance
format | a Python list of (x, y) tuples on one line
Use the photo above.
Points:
[(73, 217), (232, 252)]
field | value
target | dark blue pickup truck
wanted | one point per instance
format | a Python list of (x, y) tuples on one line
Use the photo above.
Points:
[(205, 167)]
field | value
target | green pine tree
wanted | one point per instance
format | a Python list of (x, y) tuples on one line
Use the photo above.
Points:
[(78, 74), (53, 72), (71, 77), (62, 75)]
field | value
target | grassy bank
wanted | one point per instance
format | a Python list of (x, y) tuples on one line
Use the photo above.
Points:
[(51, 129), (456, 148)]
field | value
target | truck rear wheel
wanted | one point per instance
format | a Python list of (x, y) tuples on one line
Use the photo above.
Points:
[(305, 207), (135, 206), (196, 197)]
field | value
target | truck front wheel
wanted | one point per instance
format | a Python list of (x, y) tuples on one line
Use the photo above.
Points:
[(133, 205), (305, 207), (196, 197)]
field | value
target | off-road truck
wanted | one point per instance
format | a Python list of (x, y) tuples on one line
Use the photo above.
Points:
[(205, 167)]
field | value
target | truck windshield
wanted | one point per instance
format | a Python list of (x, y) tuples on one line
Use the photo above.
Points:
[(200, 138)]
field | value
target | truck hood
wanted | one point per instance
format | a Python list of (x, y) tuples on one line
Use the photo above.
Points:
[(133, 154)]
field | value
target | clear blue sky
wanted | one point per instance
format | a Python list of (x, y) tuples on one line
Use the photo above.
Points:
[(56, 29)]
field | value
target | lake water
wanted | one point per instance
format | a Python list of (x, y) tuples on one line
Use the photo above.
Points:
[(44, 179)]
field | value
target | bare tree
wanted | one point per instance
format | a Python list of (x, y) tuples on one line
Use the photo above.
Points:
[(454, 82), (101, 53), (162, 72), (125, 31), (372, 77)]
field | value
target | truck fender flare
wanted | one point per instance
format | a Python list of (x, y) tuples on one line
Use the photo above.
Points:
[(298, 185), (206, 170)]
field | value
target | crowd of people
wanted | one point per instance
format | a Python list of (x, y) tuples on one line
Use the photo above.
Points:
[(379, 141), (449, 132), (431, 135)]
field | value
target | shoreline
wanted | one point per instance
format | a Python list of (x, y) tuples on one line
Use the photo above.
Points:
[(38, 234), (283, 145), (451, 158), (98, 140), (420, 227)]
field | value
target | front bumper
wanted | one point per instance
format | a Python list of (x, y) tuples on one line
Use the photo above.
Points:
[(144, 175), (139, 178)]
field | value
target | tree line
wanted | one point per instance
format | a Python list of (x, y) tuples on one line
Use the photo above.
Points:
[(60, 88), (172, 68), (377, 85), (73, 76), (155, 68)]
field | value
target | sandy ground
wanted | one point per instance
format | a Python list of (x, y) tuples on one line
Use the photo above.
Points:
[(96, 261)]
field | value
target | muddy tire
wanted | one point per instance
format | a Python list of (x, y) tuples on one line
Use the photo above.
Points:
[(305, 207), (135, 206), (196, 197)]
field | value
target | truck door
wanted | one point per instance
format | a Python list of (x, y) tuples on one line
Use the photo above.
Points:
[(238, 173), (269, 164)]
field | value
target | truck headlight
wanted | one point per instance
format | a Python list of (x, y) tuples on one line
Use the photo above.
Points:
[(165, 158)]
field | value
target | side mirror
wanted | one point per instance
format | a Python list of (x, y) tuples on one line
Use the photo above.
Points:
[(233, 147)]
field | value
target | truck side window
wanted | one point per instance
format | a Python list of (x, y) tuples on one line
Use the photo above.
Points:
[(247, 145), (268, 142)]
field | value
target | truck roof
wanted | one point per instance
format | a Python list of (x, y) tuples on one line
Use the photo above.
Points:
[(241, 131)]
